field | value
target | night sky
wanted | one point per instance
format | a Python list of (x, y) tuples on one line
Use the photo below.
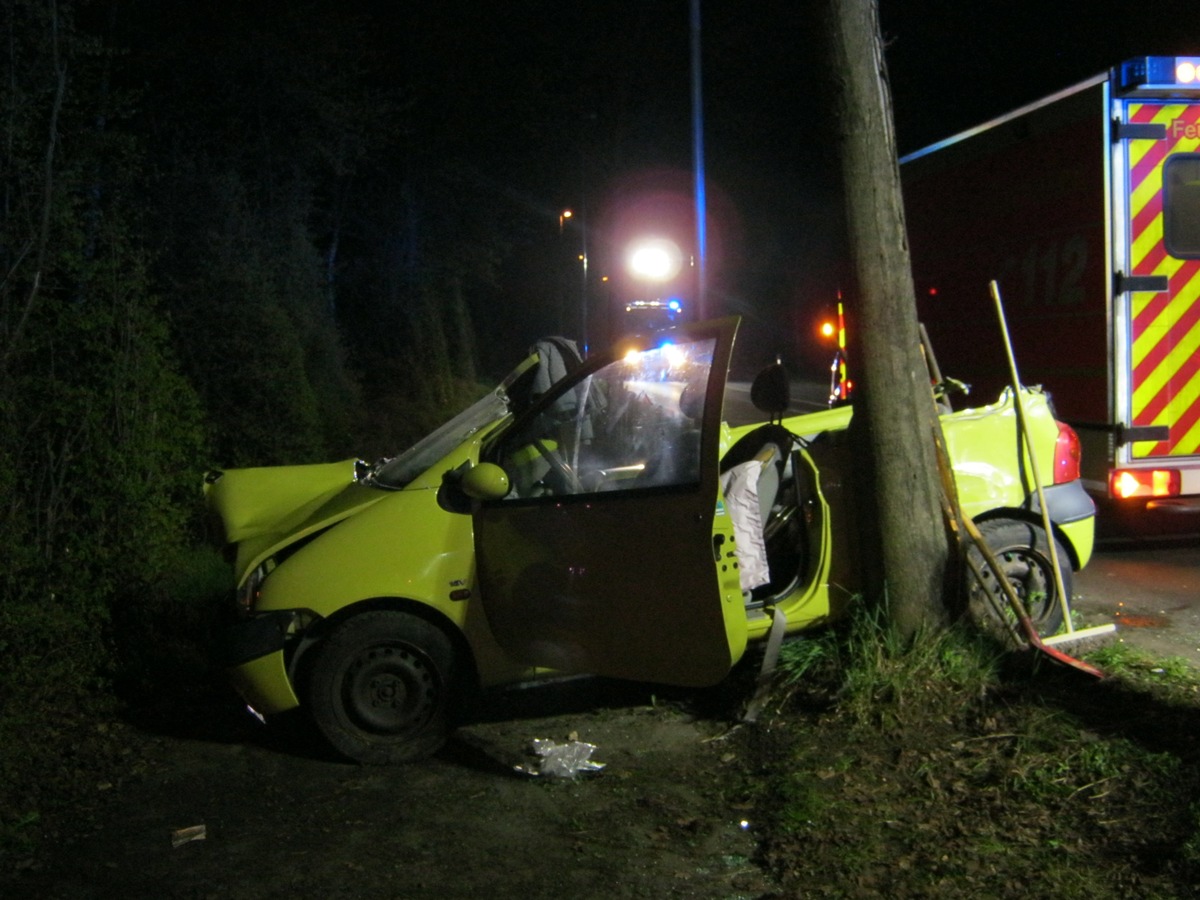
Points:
[(588, 106), (623, 123), (953, 65)]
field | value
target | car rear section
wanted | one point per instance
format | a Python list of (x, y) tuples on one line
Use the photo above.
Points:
[(1003, 481)]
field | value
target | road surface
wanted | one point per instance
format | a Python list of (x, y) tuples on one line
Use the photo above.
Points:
[(807, 396), (1150, 589)]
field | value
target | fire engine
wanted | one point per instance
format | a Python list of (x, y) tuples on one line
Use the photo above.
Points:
[(643, 316), (1084, 207)]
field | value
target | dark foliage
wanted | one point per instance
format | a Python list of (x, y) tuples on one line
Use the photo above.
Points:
[(231, 234)]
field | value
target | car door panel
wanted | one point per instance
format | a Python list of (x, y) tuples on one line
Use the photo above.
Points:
[(602, 558)]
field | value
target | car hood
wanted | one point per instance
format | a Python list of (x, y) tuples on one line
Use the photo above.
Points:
[(265, 508), (285, 500)]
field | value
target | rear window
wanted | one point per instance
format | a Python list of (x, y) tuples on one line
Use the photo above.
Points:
[(1181, 205)]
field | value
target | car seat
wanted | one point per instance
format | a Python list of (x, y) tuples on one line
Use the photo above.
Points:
[(751, 476)]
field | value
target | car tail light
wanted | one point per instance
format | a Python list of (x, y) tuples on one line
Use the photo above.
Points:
[(1066, 454), (1126, 483)]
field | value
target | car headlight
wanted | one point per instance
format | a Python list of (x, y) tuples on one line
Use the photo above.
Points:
[(247, 594)]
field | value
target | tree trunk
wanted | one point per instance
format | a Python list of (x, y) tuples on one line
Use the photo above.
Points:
[(905, 541)]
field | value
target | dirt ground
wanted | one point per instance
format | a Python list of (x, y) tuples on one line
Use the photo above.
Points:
[(799, 805), (277, 818), (676, 811)]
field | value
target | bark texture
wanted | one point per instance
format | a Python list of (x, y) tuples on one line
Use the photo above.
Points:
[(904, 533)]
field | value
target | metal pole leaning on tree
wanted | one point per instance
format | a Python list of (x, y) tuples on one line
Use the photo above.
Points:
[(1071, 633), (964, 529)]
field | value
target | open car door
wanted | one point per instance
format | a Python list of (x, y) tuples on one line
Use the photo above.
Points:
[(601, 559)]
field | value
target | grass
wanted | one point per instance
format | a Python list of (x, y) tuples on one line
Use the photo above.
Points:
[(1169, 677), (943, 768), (878, 675)]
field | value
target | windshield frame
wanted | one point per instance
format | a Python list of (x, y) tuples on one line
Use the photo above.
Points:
[(397, 472), (394, 473)]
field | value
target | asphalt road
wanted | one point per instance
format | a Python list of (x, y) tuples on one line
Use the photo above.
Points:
[(807, 396), (1149, 587)]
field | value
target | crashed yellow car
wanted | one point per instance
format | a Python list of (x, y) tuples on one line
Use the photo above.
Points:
[(587, 516)]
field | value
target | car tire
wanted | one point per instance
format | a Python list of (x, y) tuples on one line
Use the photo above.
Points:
[(382, 688), (1023, 551)]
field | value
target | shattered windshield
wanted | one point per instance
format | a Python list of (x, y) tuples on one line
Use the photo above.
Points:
[(397, 471)]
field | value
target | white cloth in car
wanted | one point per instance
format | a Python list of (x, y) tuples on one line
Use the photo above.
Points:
[(740, 487)]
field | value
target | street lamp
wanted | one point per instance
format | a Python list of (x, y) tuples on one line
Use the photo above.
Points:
[(583, 276)]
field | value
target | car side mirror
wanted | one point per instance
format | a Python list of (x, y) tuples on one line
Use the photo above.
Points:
[(486, 481)]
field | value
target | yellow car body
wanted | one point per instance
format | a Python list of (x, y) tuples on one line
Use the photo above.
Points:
[(591, 527)]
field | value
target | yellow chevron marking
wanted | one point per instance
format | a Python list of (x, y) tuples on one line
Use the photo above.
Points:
[(1189, 443), (1156, 381), (1144, 243)]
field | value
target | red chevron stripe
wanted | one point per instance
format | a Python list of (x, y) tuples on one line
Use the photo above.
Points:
[(1145, 167), (1174, 386), (1144, 217), (1154, 308)]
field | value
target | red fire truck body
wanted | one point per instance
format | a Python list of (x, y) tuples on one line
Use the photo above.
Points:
[(1085, 208)]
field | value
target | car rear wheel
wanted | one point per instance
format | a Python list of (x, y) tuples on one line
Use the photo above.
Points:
[(381, 689), (1023, 551)]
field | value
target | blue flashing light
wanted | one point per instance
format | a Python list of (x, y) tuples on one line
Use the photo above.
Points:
[(674, 305), (1149, 73)]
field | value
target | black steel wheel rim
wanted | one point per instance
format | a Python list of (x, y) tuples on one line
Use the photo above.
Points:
[(390, 689)]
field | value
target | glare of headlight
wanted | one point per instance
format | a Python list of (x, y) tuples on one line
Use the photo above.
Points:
[(632, 356), (654, 259), (675, 356)]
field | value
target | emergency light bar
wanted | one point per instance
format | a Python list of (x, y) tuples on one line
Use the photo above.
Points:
[(671, 305), (1159, 73)]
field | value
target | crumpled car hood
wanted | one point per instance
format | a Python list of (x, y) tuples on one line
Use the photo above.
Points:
[(277, 501)]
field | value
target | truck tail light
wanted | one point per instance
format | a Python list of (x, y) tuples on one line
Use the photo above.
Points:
[(1066, 454), (1126, 483)]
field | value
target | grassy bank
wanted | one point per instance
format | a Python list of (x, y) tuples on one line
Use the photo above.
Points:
[(951, 770)]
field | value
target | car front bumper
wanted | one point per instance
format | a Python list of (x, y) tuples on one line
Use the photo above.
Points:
[(253, 655)]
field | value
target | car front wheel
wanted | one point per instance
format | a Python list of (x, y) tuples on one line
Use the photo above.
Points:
[(1023, 551), (381, 688)]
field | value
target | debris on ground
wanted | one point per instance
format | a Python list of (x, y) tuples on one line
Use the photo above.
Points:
[(562, 760)]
